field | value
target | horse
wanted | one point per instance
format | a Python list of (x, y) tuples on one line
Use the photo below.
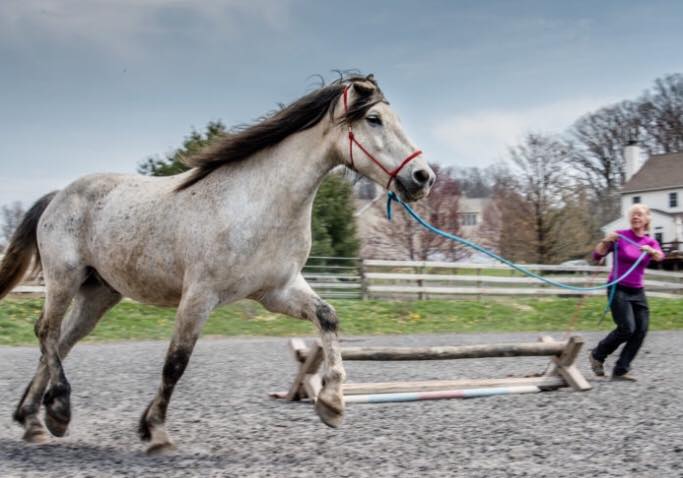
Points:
[(236, 225)]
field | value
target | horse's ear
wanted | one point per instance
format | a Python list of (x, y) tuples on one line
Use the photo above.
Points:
[(364, 88)]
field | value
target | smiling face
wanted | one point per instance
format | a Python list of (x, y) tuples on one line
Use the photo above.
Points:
[(381, 150), (639, 218)]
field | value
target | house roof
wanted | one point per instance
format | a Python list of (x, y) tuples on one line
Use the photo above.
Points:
[(660, 171)]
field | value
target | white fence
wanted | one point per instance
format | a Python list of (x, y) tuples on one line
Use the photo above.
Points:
[(354, 278), (423, 280), (380, 279)]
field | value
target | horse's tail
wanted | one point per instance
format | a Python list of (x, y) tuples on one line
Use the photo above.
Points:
[(22, 247)]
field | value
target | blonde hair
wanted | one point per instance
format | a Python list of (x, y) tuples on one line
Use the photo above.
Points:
[(645, 210)]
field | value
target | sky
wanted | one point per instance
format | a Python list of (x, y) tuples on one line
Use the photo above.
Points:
[(99, 85)]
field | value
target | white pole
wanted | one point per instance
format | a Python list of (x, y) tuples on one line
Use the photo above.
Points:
[(440, 395)]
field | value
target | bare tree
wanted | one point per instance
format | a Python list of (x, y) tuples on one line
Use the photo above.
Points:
[(579, 227), (598, 153), (11, 216), (475, 182), (503, 190), (491, 224), (600, 140), (661, 115), (542, 173), (507, 226)]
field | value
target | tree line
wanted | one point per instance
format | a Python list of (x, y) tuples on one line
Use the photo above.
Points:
[(560, 189)]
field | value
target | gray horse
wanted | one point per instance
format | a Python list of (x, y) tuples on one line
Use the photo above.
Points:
[(236, 225)]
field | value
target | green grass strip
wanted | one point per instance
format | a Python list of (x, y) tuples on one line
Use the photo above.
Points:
[(133, 321)]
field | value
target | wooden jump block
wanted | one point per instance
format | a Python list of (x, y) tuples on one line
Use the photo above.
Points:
[(565, 367), (562, 372)]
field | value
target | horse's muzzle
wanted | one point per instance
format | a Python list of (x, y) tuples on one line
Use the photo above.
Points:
[(416, 186)]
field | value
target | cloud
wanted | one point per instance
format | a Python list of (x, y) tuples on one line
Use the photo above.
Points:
[(481, 137), (120, 26)]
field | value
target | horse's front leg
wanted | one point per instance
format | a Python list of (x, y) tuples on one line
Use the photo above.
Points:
[(300, 301), (192, 312)]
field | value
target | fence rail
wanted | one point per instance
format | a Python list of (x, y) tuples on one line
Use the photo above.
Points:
[(355, 278), (424, 280)]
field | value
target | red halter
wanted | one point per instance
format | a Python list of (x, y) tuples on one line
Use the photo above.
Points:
[(352, 139)]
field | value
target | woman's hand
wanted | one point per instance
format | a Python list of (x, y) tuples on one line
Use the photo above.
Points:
[(604, 245), (611, 238), (656, 255)]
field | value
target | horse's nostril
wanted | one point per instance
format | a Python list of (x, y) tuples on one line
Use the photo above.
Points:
[(421, 176), (432, 180)]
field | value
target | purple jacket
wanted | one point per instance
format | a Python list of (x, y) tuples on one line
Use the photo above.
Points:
[(627, 255)]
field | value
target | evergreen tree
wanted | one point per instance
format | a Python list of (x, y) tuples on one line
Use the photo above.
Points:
[(334, 225), (172, 163)]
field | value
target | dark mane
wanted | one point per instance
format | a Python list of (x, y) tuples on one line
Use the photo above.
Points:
[(301, 115)]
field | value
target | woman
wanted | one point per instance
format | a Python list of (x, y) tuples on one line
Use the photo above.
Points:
[(629, 306)]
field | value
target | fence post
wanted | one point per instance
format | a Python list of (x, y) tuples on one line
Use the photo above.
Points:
[(478, 283), (420, 283), (363, 280)]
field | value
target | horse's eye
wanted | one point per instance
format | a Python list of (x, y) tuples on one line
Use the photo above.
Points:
[(374, 120)]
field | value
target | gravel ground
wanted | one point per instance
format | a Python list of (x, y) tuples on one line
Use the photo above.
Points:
[(225, 425)]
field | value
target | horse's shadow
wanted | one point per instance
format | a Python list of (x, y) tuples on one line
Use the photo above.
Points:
[(66, 456)]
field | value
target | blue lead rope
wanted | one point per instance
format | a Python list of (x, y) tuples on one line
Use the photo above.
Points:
[(392, 197)]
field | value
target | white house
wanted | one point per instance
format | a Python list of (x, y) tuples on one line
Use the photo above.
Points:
[(658, 183), (471, 215)]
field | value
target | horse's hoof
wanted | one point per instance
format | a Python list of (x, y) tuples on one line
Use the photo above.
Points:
[(331, 414), (57, 409), (56, 425), (36, 436), (159, 449)]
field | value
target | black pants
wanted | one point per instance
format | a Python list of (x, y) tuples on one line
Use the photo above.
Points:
[(632, 316)]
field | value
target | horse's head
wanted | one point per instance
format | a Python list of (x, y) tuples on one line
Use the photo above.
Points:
[(374, 144)]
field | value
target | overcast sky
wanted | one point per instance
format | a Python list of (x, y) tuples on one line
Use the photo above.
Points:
[(99, 85)]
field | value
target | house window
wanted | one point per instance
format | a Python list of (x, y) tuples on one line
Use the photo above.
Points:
[(673, 199), (636, 199), (468, 219), (659, 237)]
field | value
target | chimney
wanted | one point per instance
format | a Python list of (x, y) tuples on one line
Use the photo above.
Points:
[(632, 162)]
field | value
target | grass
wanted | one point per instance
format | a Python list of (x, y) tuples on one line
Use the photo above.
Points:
[(133, 321)]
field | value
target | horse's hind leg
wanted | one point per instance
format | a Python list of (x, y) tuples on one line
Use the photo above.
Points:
[(29, 405), (300, 301), (58, 297), (92, 301), (191, 315)]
